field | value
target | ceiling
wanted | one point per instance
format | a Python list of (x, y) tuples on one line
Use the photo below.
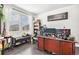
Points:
[(41, 8)]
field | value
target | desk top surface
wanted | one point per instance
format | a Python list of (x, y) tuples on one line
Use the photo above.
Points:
[(54, 38)]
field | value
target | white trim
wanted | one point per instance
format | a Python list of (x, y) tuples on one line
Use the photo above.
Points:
[(22, 10), (76, 45)]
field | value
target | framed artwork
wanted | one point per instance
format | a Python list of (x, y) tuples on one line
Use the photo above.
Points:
[(61, 16)]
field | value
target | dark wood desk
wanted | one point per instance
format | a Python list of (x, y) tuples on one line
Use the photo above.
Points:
[(56, 46)]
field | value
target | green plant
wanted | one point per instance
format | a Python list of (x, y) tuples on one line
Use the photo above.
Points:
[(1, 15), (72, 38), (1, 12), (23, 34)]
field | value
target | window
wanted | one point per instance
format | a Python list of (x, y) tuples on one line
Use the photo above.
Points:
[(19, 21), (24, 23)]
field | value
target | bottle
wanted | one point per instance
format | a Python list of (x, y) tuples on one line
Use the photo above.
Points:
[(64, 34)]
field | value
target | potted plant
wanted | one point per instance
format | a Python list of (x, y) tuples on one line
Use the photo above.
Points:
[(71, 38), (1, 15)]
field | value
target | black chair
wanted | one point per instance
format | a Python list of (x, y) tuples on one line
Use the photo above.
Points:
[(10, 41)]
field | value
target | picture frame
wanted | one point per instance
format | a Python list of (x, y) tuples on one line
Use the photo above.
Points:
[(61, 16)]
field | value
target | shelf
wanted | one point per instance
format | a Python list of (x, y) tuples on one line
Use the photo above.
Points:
[(36, 25), (36, 29)]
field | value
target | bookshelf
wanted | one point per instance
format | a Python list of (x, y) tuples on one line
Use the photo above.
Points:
[(36, 26)]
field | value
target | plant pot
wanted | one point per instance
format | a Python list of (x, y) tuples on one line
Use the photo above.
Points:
[(71, 38)]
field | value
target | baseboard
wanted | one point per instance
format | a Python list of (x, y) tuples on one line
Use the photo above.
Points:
[(76, 45)]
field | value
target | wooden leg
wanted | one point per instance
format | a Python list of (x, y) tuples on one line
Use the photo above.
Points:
[(73, 47), (2, 52)]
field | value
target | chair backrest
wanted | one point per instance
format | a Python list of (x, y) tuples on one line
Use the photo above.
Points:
[(10, 40)]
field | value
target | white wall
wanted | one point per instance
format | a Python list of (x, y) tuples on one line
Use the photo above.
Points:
[(71, 23), (7, 13)]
